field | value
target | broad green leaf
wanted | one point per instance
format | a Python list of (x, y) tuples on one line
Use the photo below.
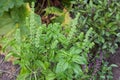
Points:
[(50, 76), (14, 19), (75, 50), (118, 34), (77, 69), (5, 5), (61, 66), (102, 76), (91, 3), (6, 24), (79, 59)]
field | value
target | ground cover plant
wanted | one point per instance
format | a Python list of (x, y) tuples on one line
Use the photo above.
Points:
[(74, 45)]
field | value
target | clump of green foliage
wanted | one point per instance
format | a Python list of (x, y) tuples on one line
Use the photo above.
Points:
[(76, 51), (104, 17), (49, 52)]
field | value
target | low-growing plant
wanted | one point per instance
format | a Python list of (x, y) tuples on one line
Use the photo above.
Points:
[(50, 52), (103, 16)]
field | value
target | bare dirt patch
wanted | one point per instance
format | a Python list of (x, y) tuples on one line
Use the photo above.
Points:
[(8, 71)]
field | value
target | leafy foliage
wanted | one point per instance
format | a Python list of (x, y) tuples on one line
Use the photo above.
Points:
[(71, 49), (5, 5), (12, 15), (47, 52), (103, 16)]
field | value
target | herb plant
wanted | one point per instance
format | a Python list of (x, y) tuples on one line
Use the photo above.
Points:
[(103, 16), (49, 52), (74, 48)]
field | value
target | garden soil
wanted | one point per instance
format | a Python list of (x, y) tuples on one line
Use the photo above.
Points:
[(8, 71), (115, 59)]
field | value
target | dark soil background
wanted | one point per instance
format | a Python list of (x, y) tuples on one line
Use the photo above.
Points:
[(8, 71), (115, 59)]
